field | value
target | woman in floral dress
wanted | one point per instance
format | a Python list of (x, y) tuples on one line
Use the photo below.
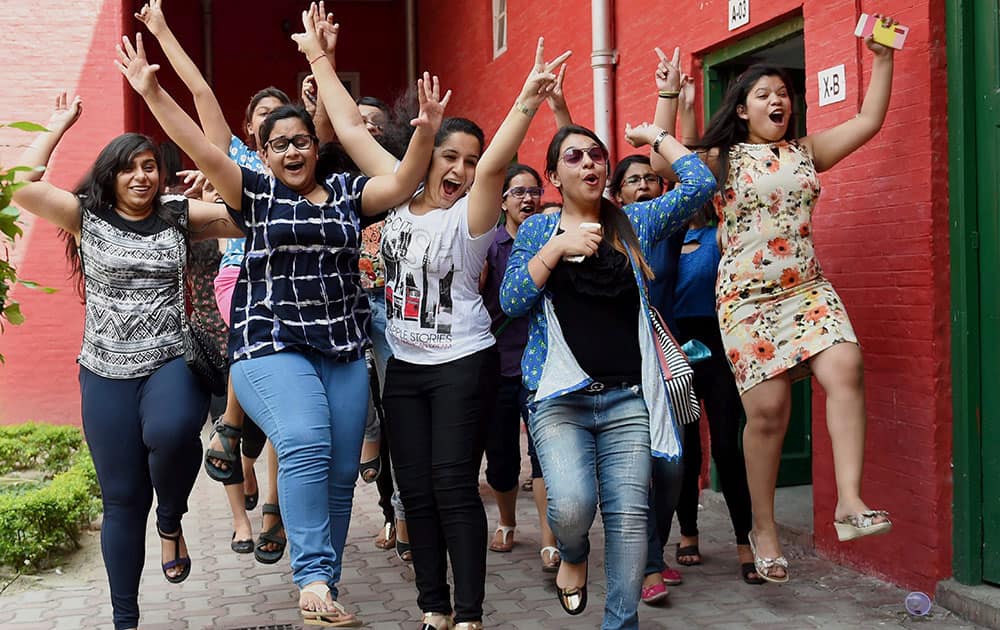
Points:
[(780, 318)]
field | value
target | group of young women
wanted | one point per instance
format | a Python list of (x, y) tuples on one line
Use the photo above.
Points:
[(546, 318)]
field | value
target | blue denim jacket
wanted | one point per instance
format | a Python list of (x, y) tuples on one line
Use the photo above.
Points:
[(548, 366)]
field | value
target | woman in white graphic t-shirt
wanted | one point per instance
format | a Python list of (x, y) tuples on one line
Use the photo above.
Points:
[(442, 378)]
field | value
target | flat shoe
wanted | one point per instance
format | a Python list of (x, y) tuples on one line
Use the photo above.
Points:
[(436, 621), (655, 594), (506, 539), (370, 470), (764, 566), (863, 524), (241, 546), (573, 600), (671, 577)]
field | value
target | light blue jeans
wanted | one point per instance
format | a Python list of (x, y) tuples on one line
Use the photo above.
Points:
[(594, 445), (312, 408)]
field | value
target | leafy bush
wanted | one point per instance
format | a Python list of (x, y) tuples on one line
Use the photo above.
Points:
[(36, 522)]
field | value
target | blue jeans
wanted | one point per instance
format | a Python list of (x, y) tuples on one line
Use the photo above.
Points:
[(144, 437), (590, 445), (312, 408), (663, 496)]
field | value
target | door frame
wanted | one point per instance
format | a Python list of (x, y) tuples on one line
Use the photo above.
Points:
[(792, 472), (967, 512)]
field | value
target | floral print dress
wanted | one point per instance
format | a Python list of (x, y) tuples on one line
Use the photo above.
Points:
[(776, 310)]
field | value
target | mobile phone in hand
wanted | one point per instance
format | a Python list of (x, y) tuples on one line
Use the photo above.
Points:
[(892, 36)]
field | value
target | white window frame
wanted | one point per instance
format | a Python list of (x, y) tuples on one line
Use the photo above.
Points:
[(499, 39)]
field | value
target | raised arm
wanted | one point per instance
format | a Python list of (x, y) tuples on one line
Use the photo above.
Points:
[(211, 220), (689, 125), (37, 155), (557, 101), (831, 146), (668, 88), (319, 43), (213, 122), (55, 205), (667, 213), (314, 105), (210, 159), (484, 197)]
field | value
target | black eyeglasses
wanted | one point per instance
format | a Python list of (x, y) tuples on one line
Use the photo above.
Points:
[(518, 192), (633, 180), (280, 144), (574, 156)]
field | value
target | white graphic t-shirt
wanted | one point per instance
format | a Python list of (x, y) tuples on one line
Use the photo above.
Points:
[(434, 312)]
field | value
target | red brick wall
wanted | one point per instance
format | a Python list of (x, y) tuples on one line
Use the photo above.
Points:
[(69, 49), (881, 228)]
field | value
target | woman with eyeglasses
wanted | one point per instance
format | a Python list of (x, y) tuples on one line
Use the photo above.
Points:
[(521, 198), (600, 406), (300, 317), (441, 381)]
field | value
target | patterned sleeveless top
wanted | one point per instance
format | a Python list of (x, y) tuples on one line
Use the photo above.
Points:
[(133, 302)]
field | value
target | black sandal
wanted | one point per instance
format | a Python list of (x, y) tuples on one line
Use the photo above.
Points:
[(746, 570), (690, 550), (270, 536), (230, 454), (250, 500), (370, 470), (404, 551), (241, 546), (178, 561)]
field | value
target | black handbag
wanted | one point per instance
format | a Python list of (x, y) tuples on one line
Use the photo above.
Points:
[(200, 351)]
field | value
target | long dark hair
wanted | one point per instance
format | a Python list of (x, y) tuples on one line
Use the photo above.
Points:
[(726, 128), (255, 100), (617, 227), (97, 190)]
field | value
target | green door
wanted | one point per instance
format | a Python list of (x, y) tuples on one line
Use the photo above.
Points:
[(777, 46), (987, 25)]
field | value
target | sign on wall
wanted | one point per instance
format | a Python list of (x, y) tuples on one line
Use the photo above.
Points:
[(739, 13), (832, 85)]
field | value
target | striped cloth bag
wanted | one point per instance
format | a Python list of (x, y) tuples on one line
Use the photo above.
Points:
[(677, 373)]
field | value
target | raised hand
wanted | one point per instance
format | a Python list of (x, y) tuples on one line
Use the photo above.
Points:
[(327, 31), (556, 98), (878, 49), (133, 64), (541, 79), (668, 71), (308, 41), (151, 15), (642, 134), (308, 95), (195, 182), (431, 104), (64, 114), (687, 94)]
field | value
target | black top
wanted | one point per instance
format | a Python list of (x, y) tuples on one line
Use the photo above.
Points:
[(597, 304)]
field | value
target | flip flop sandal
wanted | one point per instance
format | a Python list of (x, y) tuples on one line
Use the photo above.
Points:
[(270, 536), (404, 550), (690, 550), (230, 454), (336, 618), (370, 470), (552, 564), (863, 524), (747, 569), (178, 561), (505, 545), (387, 537), (241, 546)]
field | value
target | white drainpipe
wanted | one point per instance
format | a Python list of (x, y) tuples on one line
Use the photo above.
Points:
[(603, 59)]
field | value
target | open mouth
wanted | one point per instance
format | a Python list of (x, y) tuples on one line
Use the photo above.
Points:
[(528, 208), (295, 167), (140, 190), (645, 196), (450, 187), (591, 179), (777, 117)]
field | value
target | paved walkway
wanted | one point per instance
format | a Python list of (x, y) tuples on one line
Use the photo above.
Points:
[(227, 591)]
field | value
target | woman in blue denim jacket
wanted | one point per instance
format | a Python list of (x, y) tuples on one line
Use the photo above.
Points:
[(600, 399)]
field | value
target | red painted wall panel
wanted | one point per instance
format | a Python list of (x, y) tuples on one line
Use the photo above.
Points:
[(881, 226)]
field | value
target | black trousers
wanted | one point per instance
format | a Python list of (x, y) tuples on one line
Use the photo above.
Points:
[(437, 417), (714, 382), (503, 435)]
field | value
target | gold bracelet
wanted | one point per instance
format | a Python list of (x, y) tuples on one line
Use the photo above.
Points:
[(524, 109), (318, 57), (668, 94), (542, 260)]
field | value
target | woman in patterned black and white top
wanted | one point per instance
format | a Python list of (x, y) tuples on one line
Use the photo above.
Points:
[(142, 407), (300, 316)]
